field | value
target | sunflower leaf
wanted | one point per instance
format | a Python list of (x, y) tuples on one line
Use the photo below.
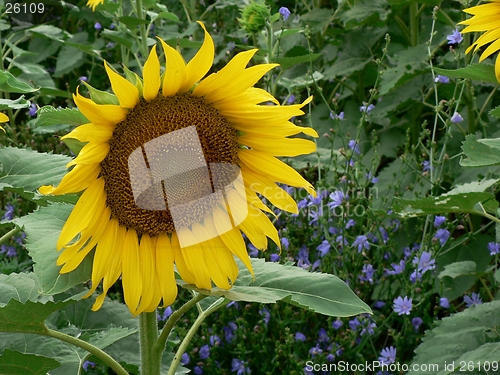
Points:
[(319, 292), (465, 336), (16, 363), (479, 72), (42, 229)]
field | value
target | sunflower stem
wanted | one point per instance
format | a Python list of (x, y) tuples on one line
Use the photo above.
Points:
[(9, 234), (197, 323), (159, 346), (148, 336), (103, 356)]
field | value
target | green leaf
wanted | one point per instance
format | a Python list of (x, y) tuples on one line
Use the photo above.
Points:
[(459, 336), (408, 64), (50, 32), (30, 169), (132, 22), (300, 82), (68, 59), (319, 292), (101, 97), (478, 153), (495, 112), (118, 37), (9, 83), (363, 11), (42, 229), (475, 186), (48, 115), (480, 72), (168, 16), (456, 269), (473, 203), (14, 104), (16, 363), (288, 62)]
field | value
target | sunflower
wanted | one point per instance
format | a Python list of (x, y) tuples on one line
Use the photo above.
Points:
[(3, 118), (144, 212), (486, 17), (94, 3)]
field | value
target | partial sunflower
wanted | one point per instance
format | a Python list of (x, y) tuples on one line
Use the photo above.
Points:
[(3, 118), (486, 17), (94, 3), (170, 174)]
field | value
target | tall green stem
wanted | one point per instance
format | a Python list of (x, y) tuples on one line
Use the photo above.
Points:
[(184, 344), (103, 356), (142, 30), (148, 335)]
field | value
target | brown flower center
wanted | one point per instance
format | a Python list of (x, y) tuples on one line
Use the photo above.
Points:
[(160, 158)]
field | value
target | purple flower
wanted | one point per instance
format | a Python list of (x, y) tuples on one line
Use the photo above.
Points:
[(398, 268), (274, 257), (361, 242), (323, 335), (384, 234), (388, 355), (426, 166), (112, 26), (230, 46), (83, 78), (204, 352), (33, 109), (350, 223), (379, 304), (334, 116), (494, 248), (367, 109), (368, 272), (425, 263), (197, 370), (315, 350), (337, 324), (254, 252), (9, 212), (229, 331), (185, 359), (369, 328), (238, 366), (8, 250), (337, 198), (233, 303), (456, 118), (417, 322), (285, 13), (439, 220), (302, 203), (266, 315), (444, 303), (455, 37), (324, 248), (110, 45), (330, 357), (315, 215), (214, 340), (473, 300), (168, 311), (441, 79), (442, 235), (97, 26), (341, 240), (415, 275), (353, 145), (285, 243), (353, 324), (299, 336), (403, 306), (86, 365)]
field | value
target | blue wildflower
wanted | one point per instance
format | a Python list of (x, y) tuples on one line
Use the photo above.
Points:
[(361, 242), (214, 340), (439, 220), (417, 322), (337, 324), (367, 109), (455, 37), (456, 118), (238, 366), (494, 248), (324, 248), (442, 235), (204, 352), (403, 306), (368, 272), (353, 145), (473, 300), (441, 79), (337, 198), (299, 336), (388, 355), (285, 13), (444, 303), (185, 359)]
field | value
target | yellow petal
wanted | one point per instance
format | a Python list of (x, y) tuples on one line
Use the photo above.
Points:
[(180, 262), (3, 117), (91, 153), (195, 261), (91, 133), (83, 212), (165, 257), (175, 73), (106, 114), (151, 295), (151, 75), (267, 188), (497, 68), (274, 169), (131, 272), (125, 91), (201, 63), (226, 75), (74, 181), (278, 146), (234, 242)]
